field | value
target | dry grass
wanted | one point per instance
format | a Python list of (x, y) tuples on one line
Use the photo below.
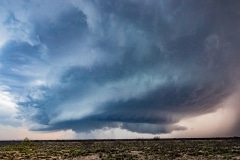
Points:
[(122, 149)]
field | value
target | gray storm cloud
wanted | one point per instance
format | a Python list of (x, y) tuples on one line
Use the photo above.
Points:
[(136, 65)]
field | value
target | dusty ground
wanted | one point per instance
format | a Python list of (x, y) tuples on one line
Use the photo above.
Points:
[(122, 149)]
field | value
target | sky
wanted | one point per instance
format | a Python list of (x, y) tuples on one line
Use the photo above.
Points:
[(92, 69)]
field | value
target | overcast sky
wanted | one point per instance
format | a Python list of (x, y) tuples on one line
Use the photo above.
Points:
[(119, 68)]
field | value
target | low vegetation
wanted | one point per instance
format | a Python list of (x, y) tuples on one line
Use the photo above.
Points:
[(122, 149)]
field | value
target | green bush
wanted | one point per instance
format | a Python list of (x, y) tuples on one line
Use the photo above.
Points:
[(26, 142)]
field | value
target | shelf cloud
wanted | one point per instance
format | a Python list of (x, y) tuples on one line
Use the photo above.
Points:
[(137, 65)]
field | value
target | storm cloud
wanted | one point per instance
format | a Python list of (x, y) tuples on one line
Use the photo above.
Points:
[(136, 65)]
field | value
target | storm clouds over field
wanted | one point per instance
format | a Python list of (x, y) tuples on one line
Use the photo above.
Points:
[(141, 66)]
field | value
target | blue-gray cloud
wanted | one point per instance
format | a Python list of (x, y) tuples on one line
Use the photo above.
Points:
[(137, 65)]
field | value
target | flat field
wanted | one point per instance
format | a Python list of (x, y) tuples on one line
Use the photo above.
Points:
[(217, 148)]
